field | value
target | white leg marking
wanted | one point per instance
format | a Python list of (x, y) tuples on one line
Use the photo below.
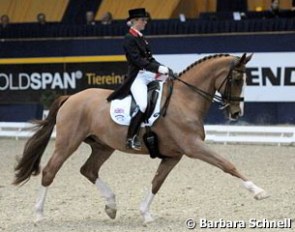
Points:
[(259, 193), (39, 206), (109, 196), (145, 207)]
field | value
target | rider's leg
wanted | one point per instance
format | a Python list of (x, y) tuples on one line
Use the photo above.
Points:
[(139, 92), (132, 140)]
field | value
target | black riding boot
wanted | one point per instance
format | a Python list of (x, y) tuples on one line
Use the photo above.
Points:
[(132, 140)]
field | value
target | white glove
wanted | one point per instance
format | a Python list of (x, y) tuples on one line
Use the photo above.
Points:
[(163, 70)]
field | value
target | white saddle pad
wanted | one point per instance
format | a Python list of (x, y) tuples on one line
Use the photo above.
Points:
[(120, 110)]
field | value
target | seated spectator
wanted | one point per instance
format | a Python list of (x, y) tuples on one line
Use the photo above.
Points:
[(150, 17), (41, 18), (90, 18), (182, 18), (274, 8), (107, 18), (231, 5), (4, 21)]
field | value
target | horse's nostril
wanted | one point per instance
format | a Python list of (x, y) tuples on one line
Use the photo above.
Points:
[(235, 116)]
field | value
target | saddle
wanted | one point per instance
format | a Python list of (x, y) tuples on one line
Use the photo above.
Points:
[(121, 111)]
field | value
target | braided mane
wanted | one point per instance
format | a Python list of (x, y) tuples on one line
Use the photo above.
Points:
[(201, 61)]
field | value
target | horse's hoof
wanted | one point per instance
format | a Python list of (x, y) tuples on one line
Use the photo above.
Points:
[(39, 217), (147, 218), (261, 195), (148, 221), (111, 212)]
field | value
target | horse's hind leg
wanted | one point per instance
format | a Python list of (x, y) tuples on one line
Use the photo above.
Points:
[(100, 153), (166, 165), (39, 206), (203, 152), (64, 147)]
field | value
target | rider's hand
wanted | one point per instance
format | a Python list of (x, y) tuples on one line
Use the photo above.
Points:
[(167, 72), (163, 70)]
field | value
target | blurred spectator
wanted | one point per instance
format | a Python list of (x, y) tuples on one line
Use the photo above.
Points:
[(4, 21), (107, 18), (90, 18), (293, 5), (182, 18), (150, 17), (275, 5), (41, 18), (232, 5), (275, 8)]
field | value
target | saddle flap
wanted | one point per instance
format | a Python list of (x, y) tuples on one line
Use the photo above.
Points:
[(122, 109)]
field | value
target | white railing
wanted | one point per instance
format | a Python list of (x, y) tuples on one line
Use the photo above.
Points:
[(17, 130), (251, 134), (278, 135)]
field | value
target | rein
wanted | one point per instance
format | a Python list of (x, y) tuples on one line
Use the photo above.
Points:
[(215, 98)]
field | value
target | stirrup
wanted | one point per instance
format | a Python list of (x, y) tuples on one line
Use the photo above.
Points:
[(133, 143)]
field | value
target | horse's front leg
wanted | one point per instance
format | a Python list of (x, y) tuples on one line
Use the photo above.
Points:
[(99, 155), (199, 150), (166, 165)]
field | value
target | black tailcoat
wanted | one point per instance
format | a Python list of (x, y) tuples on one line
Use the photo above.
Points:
[(139, 57)]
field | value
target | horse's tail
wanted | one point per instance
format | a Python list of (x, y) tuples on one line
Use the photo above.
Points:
[(29, 163)]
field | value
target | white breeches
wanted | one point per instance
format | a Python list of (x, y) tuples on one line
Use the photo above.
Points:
[(139, 87)]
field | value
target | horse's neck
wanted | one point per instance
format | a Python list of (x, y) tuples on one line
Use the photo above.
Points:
[(202, 76)]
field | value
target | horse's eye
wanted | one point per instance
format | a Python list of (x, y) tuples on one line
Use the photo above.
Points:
[(238, 77), (238, 81)]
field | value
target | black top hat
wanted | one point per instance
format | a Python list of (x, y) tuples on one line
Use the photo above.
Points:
[(137, 13)]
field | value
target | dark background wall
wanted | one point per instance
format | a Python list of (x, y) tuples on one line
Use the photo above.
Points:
[(182, 44), (256, 113)]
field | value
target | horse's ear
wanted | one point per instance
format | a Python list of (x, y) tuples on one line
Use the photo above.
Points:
[(248, 58), (244, 59)]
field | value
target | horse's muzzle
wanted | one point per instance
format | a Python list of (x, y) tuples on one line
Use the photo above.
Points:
[(234, 116)]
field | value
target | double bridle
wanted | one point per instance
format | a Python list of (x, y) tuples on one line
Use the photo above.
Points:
[(227, 95)]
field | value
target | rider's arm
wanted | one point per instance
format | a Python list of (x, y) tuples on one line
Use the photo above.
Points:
[(132, 51)]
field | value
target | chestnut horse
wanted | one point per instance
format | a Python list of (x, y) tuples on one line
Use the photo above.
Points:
[(85, 117)]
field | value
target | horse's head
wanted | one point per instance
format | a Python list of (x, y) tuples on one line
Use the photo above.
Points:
[(232, 88)]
